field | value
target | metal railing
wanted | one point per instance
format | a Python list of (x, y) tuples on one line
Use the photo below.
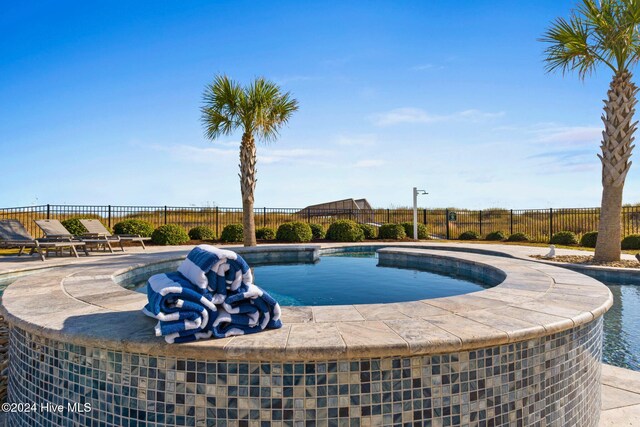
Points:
[(540, 224)]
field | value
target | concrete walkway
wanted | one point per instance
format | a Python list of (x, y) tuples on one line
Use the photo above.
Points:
[(620, 397)]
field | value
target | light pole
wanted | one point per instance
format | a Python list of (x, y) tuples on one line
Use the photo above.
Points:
[(415, 211)]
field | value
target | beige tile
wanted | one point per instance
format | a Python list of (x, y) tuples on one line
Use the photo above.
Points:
[(462, 303), (421, 309), (381, 311), (621, 378), (371, 338), (621, 417), (549, 322), (310, 340), (424, 337), (470, 332), (336, 313), (296, 315), (613, 397), (517, 328), (262, 345)]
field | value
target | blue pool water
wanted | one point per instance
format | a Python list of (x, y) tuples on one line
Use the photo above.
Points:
[(354, 278)]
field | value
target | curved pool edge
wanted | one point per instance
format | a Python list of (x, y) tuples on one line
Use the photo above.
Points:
[(524, 352), (86, 306)]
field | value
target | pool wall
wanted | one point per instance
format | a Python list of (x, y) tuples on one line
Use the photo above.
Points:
[(553, 378), (525, 352)]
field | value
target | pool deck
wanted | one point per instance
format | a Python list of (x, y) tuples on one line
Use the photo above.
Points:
[(621, 387)]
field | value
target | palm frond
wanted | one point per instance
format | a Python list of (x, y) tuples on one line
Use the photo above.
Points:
[(597, 32), (220, 113)]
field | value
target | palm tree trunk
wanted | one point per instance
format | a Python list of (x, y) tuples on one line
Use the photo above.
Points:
[(616, 150), (247, 186)]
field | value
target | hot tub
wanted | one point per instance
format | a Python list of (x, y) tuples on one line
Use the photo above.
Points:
[(525, 351)]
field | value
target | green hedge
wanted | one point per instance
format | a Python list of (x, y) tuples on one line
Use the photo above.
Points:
[(318, 231), (422, 230), (392, 232), (469, 235), (296, 232), (232, 233), (202, 232), (134, 226), (519, 237), (632, 241), (265, 233), (588, 240), (564, 238), (74, 226), (496, 236), (170, 234), (345, 230), (370, 231)]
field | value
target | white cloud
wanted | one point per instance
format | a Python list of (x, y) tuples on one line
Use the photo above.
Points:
[(364, 140), (417, 115), (369, 163), (571, 135)]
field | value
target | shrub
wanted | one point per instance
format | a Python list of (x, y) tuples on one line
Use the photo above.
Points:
[(632, 241), (564, 238), (422, 230), (232, 233), (392, 232), (74, 226), (496, 235), (170, 234), (265, 233), (318, 231), (518, 237), (202, 232), (345, 230), (369, 231), (296, 231), (134, 226), (469, 235), (589, 239)]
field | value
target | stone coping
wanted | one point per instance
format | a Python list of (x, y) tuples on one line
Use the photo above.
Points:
[(83, 304)]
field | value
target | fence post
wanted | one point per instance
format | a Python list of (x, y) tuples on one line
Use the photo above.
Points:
[(388, 215), (480, 216), (446, 217), (308, 216), (165, 215), (511, 222), (217, 224), (109, 216), (48, 211), (264, 217), (424, 216), (550, 223)]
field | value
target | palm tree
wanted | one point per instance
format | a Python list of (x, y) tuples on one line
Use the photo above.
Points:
[(605, 33), (259, 109)]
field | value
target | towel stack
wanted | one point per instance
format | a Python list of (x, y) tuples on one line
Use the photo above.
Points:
[(211, 295)]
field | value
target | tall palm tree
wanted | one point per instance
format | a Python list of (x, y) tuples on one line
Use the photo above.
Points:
[(605, 33), (259, 109)]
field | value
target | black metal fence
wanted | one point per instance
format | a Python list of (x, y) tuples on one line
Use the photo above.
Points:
[(539, 224)]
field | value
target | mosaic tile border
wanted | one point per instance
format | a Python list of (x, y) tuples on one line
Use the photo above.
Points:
[(548, 381)]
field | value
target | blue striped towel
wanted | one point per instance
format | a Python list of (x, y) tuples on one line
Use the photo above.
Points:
[(184, 311), (211, 294)]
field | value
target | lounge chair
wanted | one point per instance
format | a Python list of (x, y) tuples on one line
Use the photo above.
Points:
[(14, 235), (53, 229), (96, 229)]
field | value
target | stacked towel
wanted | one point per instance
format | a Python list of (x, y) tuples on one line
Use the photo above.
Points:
[(211, 294)]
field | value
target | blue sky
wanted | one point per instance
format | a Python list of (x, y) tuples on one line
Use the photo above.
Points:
[(99, 104)]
